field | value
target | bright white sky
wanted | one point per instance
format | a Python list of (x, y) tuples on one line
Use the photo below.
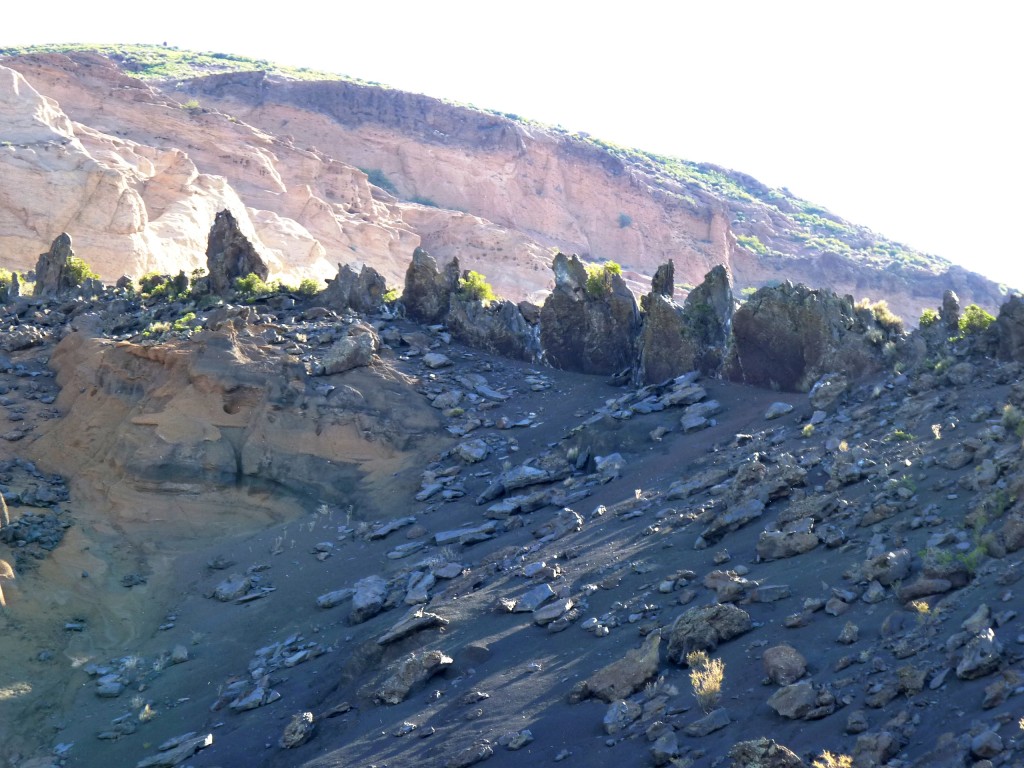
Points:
[(901, 116)]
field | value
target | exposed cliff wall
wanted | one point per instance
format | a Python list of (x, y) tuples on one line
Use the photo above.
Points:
[(137, 171)]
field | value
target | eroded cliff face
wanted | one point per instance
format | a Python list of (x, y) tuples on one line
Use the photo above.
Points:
[(137, 180), (231, 412), (136, 172)]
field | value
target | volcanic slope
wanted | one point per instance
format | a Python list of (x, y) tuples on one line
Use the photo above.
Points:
[(529, 583)]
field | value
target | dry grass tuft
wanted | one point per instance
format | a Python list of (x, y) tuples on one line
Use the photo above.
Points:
[(706, 676), (828, 760)]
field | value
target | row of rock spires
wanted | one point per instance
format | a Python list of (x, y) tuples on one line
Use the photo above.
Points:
[(783, 337)]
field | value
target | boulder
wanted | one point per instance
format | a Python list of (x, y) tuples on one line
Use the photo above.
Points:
[(784, 664), (787, 336), (703, 628), (298, 731), (802, 701), (764, 753), (888, 567), (827, 390), (776, 545), (428, 291), (625, 676), (355, 350), (368, 599), (588, 326), (230, 255), (361, 291), (982, 656), (409, 672)]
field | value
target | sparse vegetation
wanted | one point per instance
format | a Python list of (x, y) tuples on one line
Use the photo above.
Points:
[(308, 287), (625, 220), (753, 244), (599, 277), (192, 106), (898, 436), (807, 431), (1013, 419), (706, 677), (474, 287)]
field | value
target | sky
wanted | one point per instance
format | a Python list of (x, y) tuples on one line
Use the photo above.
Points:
[(904, 117)]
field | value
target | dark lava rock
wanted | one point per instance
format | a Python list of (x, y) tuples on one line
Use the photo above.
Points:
[(230, 255)]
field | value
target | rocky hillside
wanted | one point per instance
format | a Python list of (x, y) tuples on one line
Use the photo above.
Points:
[(133, 158), (282, 531)]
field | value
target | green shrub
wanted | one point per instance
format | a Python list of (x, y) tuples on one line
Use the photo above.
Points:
[(78, 271), (974, 320), (928, 318), (599, 277), (308, 287), (474, 287), (252, 286), (625, 220), (6, 277)]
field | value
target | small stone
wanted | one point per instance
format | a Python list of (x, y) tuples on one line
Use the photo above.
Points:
[(986, 744), (849, 635), (435, 360)]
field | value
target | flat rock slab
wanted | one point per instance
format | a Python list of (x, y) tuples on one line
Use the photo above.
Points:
[(176, 751), (412, 622), (534, 599)]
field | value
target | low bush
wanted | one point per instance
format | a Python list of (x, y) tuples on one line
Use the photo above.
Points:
[(928, 318), (974, 319), (78, 271), (474, 287), (599, 277)]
